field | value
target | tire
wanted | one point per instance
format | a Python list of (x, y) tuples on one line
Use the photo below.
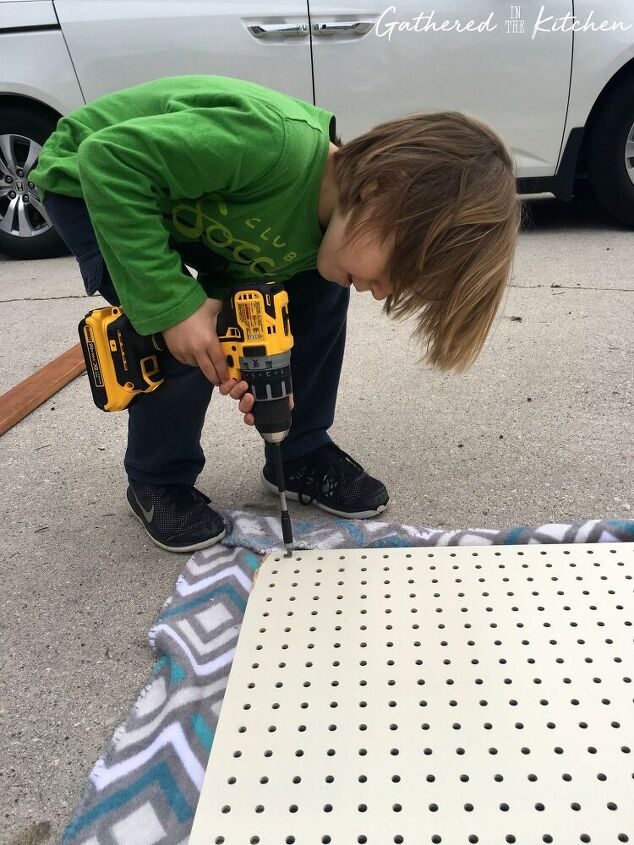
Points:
[(25, 230), (611, 175)]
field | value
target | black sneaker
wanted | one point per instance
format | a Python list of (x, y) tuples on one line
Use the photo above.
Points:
[(177, 517), (331, 479)]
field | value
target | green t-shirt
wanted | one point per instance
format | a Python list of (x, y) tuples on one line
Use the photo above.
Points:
[(222, 171)]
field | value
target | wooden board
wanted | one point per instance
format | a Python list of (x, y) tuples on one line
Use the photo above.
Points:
[(29, 394)]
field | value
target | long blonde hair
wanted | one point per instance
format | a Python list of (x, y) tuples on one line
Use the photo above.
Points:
[(444, 184)]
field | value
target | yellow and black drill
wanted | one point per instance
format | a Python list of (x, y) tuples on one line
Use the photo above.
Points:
[(255, 333)]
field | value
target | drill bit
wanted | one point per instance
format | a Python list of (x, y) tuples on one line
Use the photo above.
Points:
[(287, 530)]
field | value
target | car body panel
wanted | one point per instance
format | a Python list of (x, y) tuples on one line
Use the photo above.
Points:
[(29, 58), (115, 45), (517, 85), (596, 63), (19, 13)]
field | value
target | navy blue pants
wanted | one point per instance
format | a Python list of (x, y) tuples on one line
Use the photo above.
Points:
[(164, 427)]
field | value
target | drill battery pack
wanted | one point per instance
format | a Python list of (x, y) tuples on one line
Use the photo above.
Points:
[(120, 363)]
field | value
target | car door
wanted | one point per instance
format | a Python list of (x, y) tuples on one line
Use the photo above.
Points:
[(373, 62), (115, 44)]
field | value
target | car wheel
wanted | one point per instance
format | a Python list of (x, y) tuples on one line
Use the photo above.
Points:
[(611, 153), (25, 230)]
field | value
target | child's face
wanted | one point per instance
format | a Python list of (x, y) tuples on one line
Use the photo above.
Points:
[(363, 264)]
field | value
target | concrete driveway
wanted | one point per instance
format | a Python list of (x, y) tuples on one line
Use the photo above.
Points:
[(540, 430)]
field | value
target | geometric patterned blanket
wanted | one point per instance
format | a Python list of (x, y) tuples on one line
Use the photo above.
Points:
[(144, 788)]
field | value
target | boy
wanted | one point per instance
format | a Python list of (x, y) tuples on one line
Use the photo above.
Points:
[(239, 181)]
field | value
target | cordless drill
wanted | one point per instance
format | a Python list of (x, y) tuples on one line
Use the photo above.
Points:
[(255, 334)]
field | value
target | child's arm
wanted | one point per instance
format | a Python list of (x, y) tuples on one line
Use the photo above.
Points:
[(126, 168), (194, 341)]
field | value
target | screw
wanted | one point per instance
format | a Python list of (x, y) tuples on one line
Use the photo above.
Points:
[(12, 195), (31, 185), (8, 179), (25, 198), (20, 172)]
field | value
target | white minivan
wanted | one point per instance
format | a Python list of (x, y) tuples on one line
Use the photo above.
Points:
[(556, 79)]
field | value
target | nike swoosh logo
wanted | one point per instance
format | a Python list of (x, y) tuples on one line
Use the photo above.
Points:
[(147, 514)]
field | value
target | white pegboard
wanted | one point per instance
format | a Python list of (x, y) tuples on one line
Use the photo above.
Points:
[(449, 695)]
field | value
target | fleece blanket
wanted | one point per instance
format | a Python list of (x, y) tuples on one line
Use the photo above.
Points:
[(144, 787)]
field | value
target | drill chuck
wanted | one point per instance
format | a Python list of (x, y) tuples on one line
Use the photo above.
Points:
[(269, 379)]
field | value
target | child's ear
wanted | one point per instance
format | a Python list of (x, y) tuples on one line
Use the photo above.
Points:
[(369, 189)]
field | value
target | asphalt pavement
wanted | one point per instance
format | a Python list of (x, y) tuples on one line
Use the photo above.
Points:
[(539, 430)]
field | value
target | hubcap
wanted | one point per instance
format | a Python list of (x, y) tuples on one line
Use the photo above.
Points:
[(21, 212)]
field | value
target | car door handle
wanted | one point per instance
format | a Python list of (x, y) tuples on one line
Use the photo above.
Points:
[(342, 28), (272, 30)]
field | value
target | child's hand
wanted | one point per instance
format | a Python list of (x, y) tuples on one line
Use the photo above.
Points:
[(194, 341), (238, 390)]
